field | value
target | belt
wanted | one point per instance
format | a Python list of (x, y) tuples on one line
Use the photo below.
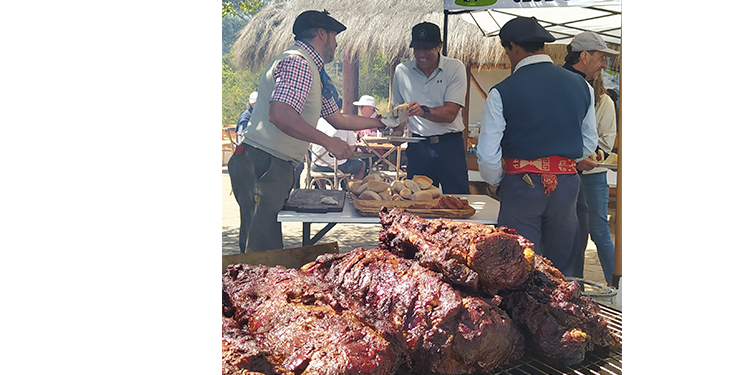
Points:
[(441, 137)]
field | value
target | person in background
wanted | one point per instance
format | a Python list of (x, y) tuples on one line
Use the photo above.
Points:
[(434, 86), (296, 91), (367, 107), (540, 120), (245, 116), (356, 167), (587, 57)]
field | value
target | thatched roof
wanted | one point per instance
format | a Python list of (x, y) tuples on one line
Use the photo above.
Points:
[(372, 26)]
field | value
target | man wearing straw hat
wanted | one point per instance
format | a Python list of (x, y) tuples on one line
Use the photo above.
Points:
[(540, 120), (294, 92)]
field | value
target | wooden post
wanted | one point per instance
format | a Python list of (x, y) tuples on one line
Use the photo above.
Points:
[(465, 110), (393, 63), (350, 84), (617, 268)]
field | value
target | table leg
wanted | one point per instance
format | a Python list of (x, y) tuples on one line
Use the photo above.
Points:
[(307, 229)]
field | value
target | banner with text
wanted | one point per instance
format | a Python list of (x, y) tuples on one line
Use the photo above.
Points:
[(496, 4)]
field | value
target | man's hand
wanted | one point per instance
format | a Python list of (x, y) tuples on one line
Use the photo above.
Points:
[(414, 109), (586, 165), (339, 148)]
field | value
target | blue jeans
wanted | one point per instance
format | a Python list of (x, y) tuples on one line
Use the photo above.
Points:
[(595, 188)]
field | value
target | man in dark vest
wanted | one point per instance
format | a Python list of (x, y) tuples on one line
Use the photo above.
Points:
[(537, 123)]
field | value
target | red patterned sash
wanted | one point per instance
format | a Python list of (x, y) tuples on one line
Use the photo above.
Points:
[(547, 168)]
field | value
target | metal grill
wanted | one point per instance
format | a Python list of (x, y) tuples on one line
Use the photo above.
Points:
[(602, 361)]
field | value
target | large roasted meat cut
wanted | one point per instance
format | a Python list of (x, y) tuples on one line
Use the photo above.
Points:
[(469, 254), (439, 329), (282, 321), (559, 322)]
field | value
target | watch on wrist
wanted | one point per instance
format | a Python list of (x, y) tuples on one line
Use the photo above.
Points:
[(426, 111)]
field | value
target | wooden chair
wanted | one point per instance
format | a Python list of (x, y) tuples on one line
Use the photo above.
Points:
[(324, 180), (228, 140)]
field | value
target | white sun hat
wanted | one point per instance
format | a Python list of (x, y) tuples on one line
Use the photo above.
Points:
[(366, 100)]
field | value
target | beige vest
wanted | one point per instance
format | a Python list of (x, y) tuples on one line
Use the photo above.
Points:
[(264, 135)]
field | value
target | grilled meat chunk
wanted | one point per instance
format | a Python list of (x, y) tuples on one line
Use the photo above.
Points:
[(473, 255), (558, 321), (298, 326), (439, 329)]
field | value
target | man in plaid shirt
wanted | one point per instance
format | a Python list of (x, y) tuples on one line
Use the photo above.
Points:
[(294, 92)]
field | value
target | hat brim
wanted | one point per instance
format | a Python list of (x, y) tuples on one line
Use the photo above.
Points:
[(609, 51), (424, 45)]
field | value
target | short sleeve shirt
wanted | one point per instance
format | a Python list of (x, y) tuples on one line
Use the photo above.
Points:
[(446, 84)]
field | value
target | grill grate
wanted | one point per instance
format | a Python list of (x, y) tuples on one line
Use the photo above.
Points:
[(602, 361)]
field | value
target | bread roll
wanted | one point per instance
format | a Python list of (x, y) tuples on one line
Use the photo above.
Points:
[(370, 195), (421, 196), (385, 195), (434, 191), (422, 181), (354, 185), (398, 185), (406, 193), (412, 185), (611, 159), (361, 188), (378, 186), (372, 177)]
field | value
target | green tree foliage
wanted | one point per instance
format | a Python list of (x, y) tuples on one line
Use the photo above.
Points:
[(375, 77), (242, 8), (237, 86)]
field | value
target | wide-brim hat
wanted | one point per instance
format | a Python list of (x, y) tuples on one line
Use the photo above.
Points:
[(315, 19), (590, 41), (524, 30), (366, 100), (425, 35)]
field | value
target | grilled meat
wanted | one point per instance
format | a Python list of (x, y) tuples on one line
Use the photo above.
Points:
[(298, 326), (439, 329), (470, 254), (558, 321)]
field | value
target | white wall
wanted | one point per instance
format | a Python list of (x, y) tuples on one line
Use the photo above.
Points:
[(487, 78)]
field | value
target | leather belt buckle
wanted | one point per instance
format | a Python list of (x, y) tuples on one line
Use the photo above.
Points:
[(434, 139)]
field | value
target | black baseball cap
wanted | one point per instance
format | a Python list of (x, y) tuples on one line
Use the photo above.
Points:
[(426, 35), (315, 19), (524, 30)]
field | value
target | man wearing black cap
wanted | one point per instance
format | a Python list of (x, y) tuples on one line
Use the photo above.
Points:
[(434, 86), (294, 92), (537, 122)]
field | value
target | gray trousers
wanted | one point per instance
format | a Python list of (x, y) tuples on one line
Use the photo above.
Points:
[(550, 222), (261, 184)]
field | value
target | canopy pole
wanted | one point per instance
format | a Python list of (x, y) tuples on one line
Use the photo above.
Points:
[(446, 34)]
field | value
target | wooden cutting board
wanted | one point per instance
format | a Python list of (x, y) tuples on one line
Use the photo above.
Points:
[(372, 208), (309, 200)]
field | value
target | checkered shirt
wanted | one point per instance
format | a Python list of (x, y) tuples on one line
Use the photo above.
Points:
[(293, 80)]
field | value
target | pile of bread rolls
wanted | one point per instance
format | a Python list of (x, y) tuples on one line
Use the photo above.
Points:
[(372, 187)]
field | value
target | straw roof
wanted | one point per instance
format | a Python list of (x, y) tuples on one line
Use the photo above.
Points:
[(372, 26)]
